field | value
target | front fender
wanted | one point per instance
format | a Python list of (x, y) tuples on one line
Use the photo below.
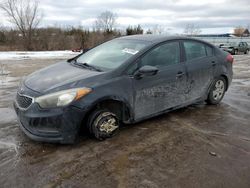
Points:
[(90, 104)]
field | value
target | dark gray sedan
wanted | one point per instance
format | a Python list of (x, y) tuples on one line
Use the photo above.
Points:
[(235, 48), (122, 81)]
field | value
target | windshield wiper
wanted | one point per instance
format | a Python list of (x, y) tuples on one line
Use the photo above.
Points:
[(92, 67), (88, 66)]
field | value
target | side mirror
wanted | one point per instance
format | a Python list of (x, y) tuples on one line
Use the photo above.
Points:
[(146, 71)]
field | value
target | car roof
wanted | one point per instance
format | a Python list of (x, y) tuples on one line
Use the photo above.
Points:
[(158, 38)]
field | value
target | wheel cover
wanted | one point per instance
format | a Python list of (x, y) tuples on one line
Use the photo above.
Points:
[(107, 123), (219, 89)]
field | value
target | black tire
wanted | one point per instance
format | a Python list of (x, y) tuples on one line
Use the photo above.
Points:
[(236, 52), (101, 124), (217, 91)]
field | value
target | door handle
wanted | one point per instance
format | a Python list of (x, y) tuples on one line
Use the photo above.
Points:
[(213, 63), (179, 74)]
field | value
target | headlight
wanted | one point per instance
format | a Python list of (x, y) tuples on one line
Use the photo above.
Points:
[(61, 98)]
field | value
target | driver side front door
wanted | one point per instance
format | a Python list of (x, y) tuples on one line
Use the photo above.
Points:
[(164, 90)]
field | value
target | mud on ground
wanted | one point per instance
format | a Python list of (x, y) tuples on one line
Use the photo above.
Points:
[(197, 146)]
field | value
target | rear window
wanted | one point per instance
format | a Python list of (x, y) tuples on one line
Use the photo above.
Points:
[(194, 50)]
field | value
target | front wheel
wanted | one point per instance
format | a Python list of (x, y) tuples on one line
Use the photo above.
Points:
[(103, 124), (217, 91)]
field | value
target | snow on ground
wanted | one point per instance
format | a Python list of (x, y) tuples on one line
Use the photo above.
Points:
[(19, 55)]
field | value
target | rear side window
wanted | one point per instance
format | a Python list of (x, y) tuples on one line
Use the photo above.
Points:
[(163, 55), (209, 50), (194, 50)]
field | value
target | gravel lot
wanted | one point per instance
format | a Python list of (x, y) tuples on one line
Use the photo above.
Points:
[(197, 146)]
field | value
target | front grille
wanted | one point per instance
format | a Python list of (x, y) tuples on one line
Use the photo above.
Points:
[(23, 101)]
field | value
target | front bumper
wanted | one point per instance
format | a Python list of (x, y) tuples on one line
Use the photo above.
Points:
[(59, 125)]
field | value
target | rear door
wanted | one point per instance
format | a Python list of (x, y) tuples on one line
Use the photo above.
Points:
[(201, 64), (153, 94)]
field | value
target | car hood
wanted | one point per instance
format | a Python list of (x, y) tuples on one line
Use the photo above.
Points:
[(57, 75)]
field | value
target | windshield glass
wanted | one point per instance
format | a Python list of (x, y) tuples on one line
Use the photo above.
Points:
[(112, 54), (232, 44)]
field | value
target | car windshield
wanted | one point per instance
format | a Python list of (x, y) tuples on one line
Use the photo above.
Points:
[(112, 54), (233, 44)]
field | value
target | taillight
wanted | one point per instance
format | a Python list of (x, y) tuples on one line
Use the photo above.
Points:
[(230, 58)]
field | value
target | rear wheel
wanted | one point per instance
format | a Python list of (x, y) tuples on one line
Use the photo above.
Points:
[(217, 91), (103, 124)]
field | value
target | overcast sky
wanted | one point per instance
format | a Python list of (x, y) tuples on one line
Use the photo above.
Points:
[(212, 16)]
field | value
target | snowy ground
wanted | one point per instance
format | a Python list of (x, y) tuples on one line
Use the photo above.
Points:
[(20, 55)]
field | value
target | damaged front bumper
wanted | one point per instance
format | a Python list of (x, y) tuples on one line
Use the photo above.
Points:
[(58, 125)]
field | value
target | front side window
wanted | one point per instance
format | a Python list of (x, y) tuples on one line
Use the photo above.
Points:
[(164, 55), (194, 50), (112, 54)]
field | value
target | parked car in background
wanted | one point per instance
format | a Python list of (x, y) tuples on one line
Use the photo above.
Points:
[(235, 48), (122, 81)]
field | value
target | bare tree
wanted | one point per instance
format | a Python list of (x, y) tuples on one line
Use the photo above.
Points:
[(248, 26), (106, 21), (192, 30), (149, 32), (238, 31), (158, 29), (134, 30), (25, 15), (2, 34)]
